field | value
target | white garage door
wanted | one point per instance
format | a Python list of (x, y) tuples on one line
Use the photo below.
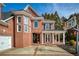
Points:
[(5, 42)]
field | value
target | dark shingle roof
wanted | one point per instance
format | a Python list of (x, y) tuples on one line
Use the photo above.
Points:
[(6, 15)]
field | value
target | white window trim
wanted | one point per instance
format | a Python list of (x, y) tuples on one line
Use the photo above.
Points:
[(34, 25), (17, 29), (17, 18), (27, 25), (18, 24), (27, 28)]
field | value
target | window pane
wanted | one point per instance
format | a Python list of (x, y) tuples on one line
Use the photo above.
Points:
[(36, 24), (19, 27), (19, 19), (26, 19), (25, 27)]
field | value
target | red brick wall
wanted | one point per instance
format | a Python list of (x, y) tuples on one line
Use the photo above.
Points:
[(39, 29), (8, 30), (18, 35), (27, 36), (27, 39)]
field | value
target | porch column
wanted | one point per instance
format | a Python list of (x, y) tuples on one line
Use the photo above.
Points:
[(45, 38), (53, 38), (63, 38), (42, 38), (56, 38), (59, 38)]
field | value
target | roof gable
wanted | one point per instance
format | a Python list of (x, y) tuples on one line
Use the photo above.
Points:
[(30, 10)]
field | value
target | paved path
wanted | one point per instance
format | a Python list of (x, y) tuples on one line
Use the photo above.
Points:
[(41, 50)]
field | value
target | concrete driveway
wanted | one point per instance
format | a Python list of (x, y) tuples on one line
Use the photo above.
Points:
[(40, 50)]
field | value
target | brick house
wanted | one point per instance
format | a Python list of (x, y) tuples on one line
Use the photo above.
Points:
[(25, 27)]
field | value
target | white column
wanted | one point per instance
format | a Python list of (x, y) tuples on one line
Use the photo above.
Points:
[(56, 38), (63, 38), (45, 38), (59, 38), (42, 38), (53, 38)]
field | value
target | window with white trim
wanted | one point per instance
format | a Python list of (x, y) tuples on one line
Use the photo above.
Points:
[(18, 23), (35, 24), (26, 24)]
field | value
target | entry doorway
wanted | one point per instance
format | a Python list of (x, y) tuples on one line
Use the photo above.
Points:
[(36, 38)]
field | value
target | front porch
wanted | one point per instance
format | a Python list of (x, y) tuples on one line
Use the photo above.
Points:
[(53, 37)]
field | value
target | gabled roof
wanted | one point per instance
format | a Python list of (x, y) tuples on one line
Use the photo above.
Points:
[(3, 23), (28, 6), (6, 15), (8, 18), (27, 14)]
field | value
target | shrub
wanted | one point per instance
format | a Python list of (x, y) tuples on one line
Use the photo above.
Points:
[(67, 43), (72, 42)]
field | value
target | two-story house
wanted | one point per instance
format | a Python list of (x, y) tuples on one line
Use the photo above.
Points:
[(25, 27)]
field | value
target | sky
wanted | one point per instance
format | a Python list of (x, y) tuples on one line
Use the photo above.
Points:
[(63, 9)]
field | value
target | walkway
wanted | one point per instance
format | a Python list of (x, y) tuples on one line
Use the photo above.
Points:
[(41, 50)]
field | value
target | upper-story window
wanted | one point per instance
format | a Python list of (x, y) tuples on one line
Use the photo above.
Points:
[(47, 26), (18, 23), (26, 24), (19, 19), (35, 24)]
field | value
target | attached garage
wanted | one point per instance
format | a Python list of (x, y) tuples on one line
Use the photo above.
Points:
[(5, 42)]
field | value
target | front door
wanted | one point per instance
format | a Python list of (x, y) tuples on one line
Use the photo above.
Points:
[(36, 38)]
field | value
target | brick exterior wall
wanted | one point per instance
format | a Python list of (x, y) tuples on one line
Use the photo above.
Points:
[(18, 35), (8, 30), (22, 39), (39, 29)]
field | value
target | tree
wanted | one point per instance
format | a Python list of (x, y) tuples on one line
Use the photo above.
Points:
[(58, 24), (55, 17)]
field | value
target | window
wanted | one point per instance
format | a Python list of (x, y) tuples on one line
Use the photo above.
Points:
[(19, 19), (35, 24), (18, 23), (19, 27), (47, 26), (25, 28), (26, 24)]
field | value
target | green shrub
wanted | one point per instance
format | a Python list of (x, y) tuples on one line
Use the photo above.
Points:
[(72, 42), (67, 43)]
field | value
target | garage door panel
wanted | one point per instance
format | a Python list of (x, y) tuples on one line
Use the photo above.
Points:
[(5, 42)]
